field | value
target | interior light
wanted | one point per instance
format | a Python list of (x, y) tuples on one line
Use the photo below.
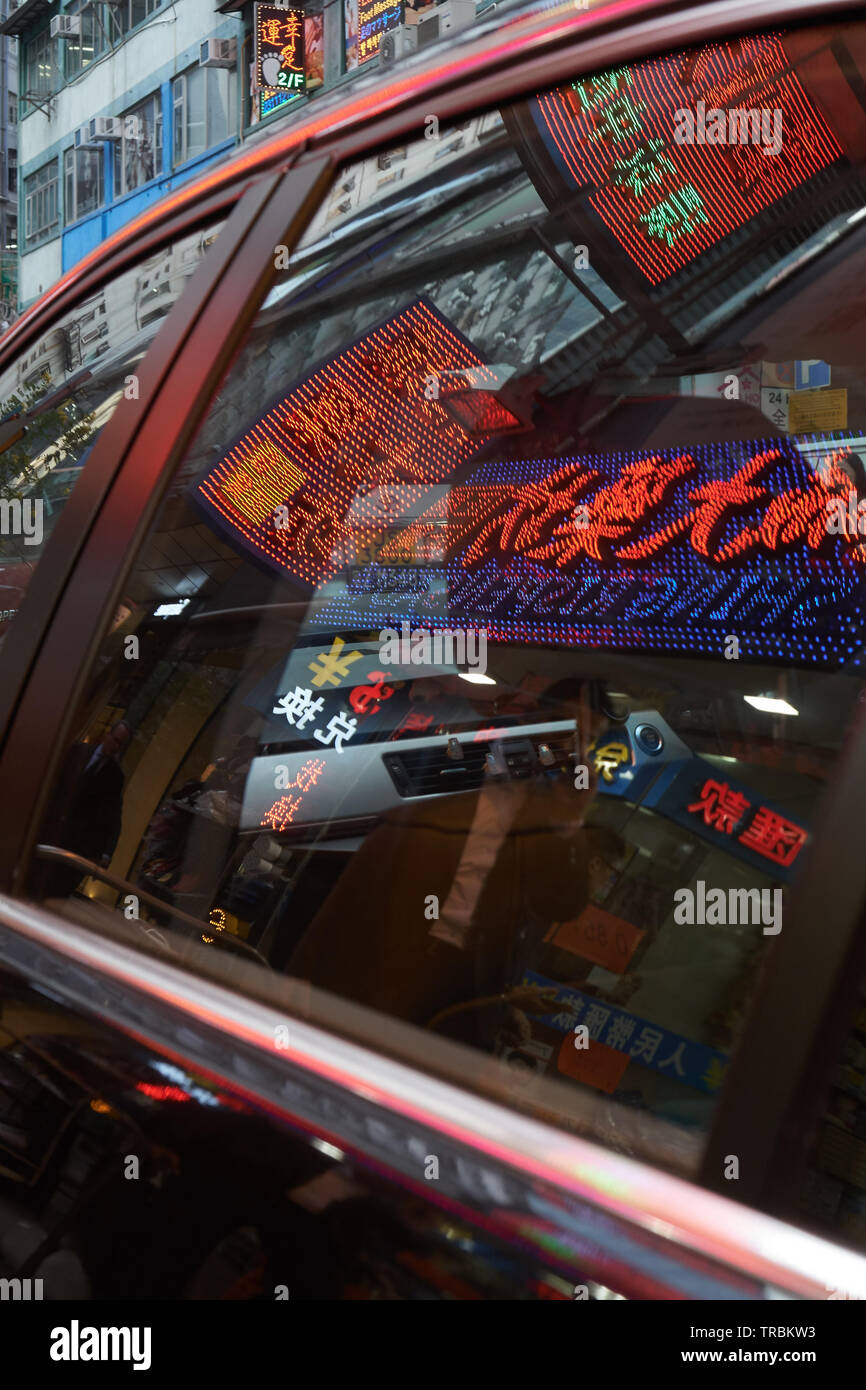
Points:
[(769, 705), (476, 678)]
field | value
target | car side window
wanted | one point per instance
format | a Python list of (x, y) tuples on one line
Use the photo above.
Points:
[(56, 396), (496, 642)]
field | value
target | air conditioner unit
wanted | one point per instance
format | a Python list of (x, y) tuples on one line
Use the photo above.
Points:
[(133, 128), (218, 53), (105, 128), (397, 43), (83, 139), (65, 26), (440, 20)]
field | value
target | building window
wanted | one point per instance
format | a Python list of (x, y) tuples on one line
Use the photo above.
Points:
[(127, 14), (138, 156), (83, 177), (13, 110), (79, 53), (205, 110), (12, 171), (39, 64), (40, 204), (11, 234)]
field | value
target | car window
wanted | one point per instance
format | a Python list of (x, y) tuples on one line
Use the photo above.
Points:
[(58, 393), (492, 651), (828, 1187)]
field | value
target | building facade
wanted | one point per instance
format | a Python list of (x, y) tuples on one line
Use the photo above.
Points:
[(8, 174), (120, 101)]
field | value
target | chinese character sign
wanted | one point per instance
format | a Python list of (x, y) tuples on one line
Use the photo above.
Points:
[(375, 18), (679, 1058), (666, 202), (730, 816), (280, 48), (303, 487), (673, 549), (345, 484)]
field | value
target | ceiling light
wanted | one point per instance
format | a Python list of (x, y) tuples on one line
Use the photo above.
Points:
[(476, 678), (769, 705)]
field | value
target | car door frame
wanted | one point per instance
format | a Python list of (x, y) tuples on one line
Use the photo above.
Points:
[(135, 456)]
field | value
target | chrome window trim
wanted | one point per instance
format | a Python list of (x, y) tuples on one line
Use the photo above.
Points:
[(633, 1227)]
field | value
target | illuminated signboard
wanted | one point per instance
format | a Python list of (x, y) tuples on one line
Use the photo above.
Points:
[(674, 550), (723, 811), (305, 487), (343, 486), (375, 18), (729, 815), (674, 1056), (280, 48), (664, 201), (314, 72)]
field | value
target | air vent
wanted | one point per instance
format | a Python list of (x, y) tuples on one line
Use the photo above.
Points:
[(519, 756), (560, 744), (430, 771)]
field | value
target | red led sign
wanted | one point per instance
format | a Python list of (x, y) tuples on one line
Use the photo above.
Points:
[(567, 517), (346, 483), (664, 201), (669, 550), (362, 422), (769, 834)]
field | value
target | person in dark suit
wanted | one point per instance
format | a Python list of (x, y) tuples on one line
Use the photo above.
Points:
[(89, 808)]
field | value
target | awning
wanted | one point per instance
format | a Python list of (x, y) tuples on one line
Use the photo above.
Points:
[(25, 15)]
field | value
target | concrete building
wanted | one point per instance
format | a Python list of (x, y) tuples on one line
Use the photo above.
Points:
[(8, 173), (122, 100)]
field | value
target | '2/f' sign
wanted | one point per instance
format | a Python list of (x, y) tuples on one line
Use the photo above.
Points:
[(280, 48)]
